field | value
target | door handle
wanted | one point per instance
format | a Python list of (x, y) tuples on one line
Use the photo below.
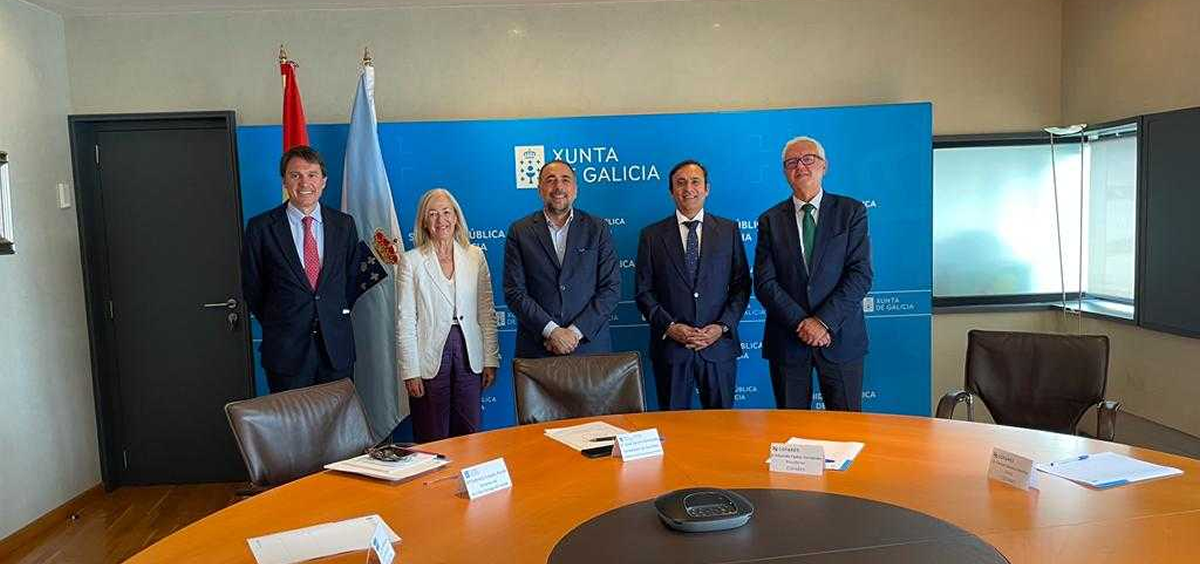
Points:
[(231, 303)]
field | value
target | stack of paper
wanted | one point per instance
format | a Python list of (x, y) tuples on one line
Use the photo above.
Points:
[(587, 435), (318, 541), (406, 467), (838, 455), (1106, 470)]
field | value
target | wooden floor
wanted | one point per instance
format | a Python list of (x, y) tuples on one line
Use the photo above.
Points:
[(117, 525)]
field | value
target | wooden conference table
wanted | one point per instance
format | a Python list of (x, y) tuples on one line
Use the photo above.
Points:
[(934, 466)]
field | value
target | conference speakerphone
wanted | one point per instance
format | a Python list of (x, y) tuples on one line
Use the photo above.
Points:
[(700, 510)]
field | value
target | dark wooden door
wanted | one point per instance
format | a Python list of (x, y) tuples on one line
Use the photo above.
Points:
[(166, 210)]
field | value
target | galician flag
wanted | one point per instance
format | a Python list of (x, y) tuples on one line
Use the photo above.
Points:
[(367, 196)]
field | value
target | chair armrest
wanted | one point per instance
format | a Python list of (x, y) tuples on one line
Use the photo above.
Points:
[(946, 405), (1106, 419)]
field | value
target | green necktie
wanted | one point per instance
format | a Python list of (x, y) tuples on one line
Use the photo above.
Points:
[(808, 231)]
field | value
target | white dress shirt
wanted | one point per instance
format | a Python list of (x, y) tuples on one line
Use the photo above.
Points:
[(683, 229), (296, 222), (558, 236), (816, 213)]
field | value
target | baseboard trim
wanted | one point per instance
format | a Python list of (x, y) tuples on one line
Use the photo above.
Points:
[(42, 525)]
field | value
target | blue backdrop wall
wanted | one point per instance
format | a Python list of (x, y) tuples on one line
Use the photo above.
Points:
[(881, 155)]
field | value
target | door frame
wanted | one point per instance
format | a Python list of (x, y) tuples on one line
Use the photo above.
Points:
[(93, 254)]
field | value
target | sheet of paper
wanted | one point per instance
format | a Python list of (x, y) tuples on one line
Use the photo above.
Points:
[(838, 455), (585, 435), (1106, 470), (404, 468), (1012, 469), (793, 458), (318, 541), (638, 445)]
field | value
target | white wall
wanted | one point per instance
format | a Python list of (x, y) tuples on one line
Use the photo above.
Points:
[(47, 420), (986, 65), (1129, 57), (1123, 58)]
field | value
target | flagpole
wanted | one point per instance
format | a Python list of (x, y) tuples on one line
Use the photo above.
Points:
[(283, 60), (367, 61)]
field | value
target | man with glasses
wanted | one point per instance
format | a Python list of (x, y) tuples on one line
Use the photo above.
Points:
[(560, 273), (812, 269)]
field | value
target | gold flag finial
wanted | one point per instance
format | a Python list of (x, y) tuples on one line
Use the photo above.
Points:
[(367, 61), (282, 55)]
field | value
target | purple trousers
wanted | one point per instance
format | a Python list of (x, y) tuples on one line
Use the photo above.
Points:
[(451, 405)]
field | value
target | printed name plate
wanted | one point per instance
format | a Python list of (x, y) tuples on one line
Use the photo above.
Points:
[(381, 545), (1012, 469), (637, 445), (489, 477), (797, 459)]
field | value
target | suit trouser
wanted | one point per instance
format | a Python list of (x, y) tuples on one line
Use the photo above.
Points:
[(315, 369), (451, 405), (841, 383), (676, 380)]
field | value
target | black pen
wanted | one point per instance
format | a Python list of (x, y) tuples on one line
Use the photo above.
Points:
[(435, 454), (602, 439)]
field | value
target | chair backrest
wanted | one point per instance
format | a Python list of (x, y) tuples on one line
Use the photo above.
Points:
[(292, 434), (1037, 380), (563, 387)]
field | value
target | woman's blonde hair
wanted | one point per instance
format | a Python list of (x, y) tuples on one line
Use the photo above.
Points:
[(421, 237)]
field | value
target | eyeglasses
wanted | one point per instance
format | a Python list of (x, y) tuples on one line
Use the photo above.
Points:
[(389, 453), (806, 160)]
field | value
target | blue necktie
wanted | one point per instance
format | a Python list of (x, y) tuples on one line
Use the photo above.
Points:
[(691, 255)]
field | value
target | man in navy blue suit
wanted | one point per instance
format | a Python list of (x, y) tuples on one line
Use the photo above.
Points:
[(812, 269), (298, 263), (692, 287), (560, 273)]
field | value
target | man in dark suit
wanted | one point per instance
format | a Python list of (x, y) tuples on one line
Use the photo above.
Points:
[(812, 269), (560, 273), (692, 287), (297, 262)]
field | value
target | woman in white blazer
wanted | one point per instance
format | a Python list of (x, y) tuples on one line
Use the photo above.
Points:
[(446, 324)]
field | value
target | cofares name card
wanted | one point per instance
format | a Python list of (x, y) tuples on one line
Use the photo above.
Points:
[(638, 445), (797, 458), (1012, 469), (489, 477)]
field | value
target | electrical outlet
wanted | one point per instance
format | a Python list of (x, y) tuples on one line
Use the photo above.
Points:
[(64, 196)]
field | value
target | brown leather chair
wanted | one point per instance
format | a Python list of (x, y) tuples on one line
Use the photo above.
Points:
[(1036, 380), (292, 434), (563, 387)]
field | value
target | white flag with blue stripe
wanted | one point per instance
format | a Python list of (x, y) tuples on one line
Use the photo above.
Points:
[(367, 196)]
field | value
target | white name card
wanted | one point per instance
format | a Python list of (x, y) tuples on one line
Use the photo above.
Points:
[(797, 459), (381, 545), (637, 445), (489, 477), (1012, 469)]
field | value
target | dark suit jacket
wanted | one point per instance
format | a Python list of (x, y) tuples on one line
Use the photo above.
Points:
[(833, 291), (583, 291), (666, 295), (277, 291)]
